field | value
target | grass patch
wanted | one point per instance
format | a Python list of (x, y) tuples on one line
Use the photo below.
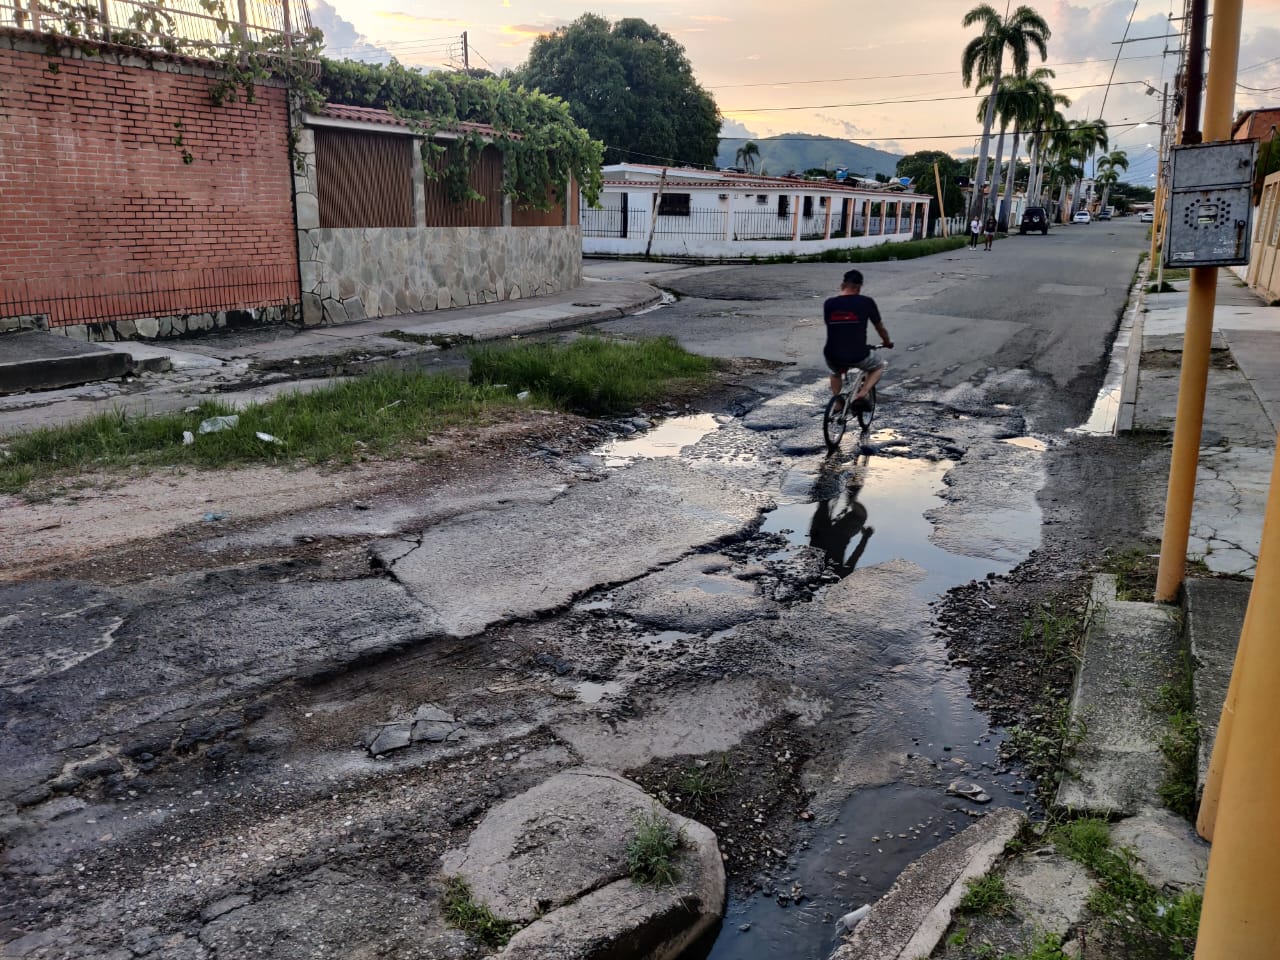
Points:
[(1046, 747), (1135, 573), (1047, 946), (1054, 632), (905, 250), (378, 414), (462, 911), (704, 785), (1147, 922), (1180, 744), (1177, 273), (1165, 287), (592, 375), (652, 851), (986, 895)]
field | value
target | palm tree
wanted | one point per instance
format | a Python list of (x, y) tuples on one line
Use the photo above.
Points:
[(1086, 136), (1046, 120), (1109, 178), (984, 57), (746, 156), (1019, 106)]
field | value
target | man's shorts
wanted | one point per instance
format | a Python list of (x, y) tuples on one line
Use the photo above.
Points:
[(870, 364)]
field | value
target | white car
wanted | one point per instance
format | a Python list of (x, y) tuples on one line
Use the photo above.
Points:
[(1081, 217), (1146, 216)]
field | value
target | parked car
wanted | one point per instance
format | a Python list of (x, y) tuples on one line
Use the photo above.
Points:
[(1081, 217), (1034, 218), (1146, 216), (1104, 215)]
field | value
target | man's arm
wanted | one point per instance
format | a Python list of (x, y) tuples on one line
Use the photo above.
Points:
[(879, 325)]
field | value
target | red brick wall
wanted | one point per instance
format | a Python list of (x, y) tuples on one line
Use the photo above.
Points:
[(101, 218)]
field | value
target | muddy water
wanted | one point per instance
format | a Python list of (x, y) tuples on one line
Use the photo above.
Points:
[(863, 509)]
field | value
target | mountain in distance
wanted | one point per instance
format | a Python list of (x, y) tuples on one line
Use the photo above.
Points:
[(787, 152)]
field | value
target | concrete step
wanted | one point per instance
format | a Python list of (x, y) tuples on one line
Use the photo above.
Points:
[(34, 360), (1215, 616), (1131, 650), (909, 921)]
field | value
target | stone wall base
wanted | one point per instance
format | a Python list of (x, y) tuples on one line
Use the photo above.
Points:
[(160, 328)]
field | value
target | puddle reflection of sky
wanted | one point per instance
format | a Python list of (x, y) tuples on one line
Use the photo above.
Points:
[(896, 495)]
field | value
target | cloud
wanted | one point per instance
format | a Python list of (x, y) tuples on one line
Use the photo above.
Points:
[(341, 39), (709, 18), (850, 130), (521, 33), (733, 130), (1082, 32), (400, 18)]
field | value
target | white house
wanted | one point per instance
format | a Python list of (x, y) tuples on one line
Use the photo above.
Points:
[(723, 214)]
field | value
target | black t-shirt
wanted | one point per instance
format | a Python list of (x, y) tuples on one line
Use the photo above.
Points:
[(847, 317)]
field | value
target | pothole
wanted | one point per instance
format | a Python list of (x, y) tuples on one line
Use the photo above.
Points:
[(667, 439)]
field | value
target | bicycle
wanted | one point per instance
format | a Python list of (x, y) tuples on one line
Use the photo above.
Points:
[(839, 408)]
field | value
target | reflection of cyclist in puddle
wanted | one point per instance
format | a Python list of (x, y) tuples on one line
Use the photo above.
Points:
[(838, 519)]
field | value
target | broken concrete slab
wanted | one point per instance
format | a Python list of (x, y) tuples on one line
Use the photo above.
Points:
[(487, 568), (909, 921), (34, 360), (1051, 891), (1215, 617), (555, 858), (1131, 650), (1170, 854), (699, 594)]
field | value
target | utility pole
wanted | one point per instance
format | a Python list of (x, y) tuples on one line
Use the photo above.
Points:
[(942, 200), (1198, 339)]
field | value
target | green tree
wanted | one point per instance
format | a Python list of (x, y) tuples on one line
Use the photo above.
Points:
[(1106, 173), (747, 155), (631, 86), (919, 167), (983, 58)]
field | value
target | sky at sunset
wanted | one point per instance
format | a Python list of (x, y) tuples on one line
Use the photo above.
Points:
[(850, 70)]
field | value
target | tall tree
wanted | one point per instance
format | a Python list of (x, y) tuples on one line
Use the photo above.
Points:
[(919, 167), (983, 57), (1107, 174), (630, 85), (747, 155), (1028, 95), (1084, 136)]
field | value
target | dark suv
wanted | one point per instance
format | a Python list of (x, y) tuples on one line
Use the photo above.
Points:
[(1034, 218)]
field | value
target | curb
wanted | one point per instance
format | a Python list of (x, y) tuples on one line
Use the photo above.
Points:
[(1133, 357)]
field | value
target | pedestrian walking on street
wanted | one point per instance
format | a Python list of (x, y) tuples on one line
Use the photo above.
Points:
[(975, 227), (989, 232)]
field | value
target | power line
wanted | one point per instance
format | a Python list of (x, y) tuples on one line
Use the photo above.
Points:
[(899, 76), (879, 103)]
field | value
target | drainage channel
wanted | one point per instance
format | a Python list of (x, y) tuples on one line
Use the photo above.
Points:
[(860, 511)]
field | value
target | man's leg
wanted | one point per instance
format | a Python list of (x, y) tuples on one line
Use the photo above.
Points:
[(836, 383), (872, 379)]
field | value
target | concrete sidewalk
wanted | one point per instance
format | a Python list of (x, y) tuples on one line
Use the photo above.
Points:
[(245, 366)]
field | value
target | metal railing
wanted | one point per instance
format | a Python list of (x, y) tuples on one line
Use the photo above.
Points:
[(614, 222), (189, 27), (699, 223), (762, 225)]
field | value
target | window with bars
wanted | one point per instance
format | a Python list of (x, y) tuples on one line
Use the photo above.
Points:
[(674, 205)]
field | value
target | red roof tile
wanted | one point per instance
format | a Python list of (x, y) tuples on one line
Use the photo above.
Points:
[(343, 111)]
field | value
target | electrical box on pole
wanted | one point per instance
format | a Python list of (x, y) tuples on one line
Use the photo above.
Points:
[(1210, 206)]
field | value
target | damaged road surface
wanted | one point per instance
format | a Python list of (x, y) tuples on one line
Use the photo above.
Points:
[(457, 723)]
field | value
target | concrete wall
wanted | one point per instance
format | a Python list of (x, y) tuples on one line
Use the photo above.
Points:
[(350, 274), (354, 273), (702, 248), (131, 205)]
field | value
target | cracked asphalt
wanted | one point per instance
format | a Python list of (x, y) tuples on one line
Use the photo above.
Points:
[(187, 770)]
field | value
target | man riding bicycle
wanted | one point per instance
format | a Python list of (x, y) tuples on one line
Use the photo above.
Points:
[(846, 317)]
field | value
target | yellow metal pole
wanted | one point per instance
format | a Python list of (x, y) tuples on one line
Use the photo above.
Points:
[(1240, 919), (1219, 103), (1219, 99)]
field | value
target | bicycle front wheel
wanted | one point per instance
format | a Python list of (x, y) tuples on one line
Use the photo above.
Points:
[(833, 420), (867, 409)]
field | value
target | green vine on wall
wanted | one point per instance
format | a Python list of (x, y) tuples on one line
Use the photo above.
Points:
[(541, 145), (542, 148)]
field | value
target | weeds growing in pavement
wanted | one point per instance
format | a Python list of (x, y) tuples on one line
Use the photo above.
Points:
[(986, 895), (652, 851), (1180, 744), (378, 414), (1058, 633), (702, 785), (1046, 946), (1149, 923), (1045, 753), (592, 375), (462, 910)]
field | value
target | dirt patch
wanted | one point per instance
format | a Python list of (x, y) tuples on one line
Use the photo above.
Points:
[(751, 796), (1172, 360)]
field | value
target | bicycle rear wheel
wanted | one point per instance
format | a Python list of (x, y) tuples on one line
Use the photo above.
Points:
[(833, 421), (867, 409)]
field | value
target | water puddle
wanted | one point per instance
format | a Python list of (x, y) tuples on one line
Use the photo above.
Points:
[(1027, 443), (667, 439), (872, 511), (589, 691)]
